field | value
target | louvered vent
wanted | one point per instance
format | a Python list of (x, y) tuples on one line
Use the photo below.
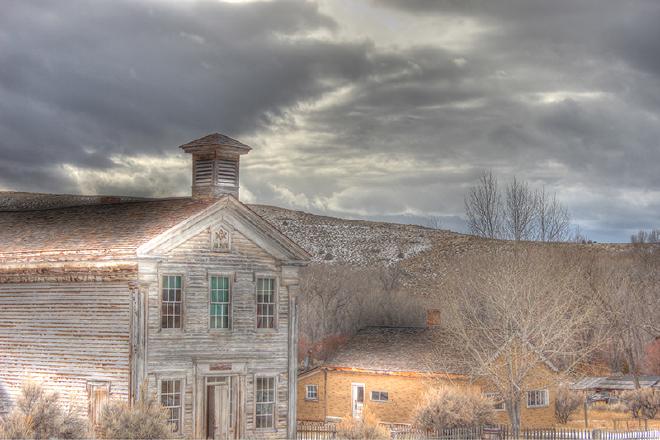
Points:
[(203, 172), (227, 170)]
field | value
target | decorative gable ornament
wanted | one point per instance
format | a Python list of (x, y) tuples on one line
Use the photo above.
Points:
[(220, 239)]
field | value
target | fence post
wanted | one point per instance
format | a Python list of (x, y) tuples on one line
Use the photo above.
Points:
[(595, 434)]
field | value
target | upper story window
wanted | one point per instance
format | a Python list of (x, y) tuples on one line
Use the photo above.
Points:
[(265, 402), (537, 398), (498, 402), (220, 303), (171, 302), (311, 392), (379, 396), (265, 302), (170, 398)]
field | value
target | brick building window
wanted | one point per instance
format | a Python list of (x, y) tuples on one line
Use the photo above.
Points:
[(312, 392), (498, 402), (265, 402), (537, 398), (171, 302), (265, 303), (379, 396), (220, 303), (170, 398)]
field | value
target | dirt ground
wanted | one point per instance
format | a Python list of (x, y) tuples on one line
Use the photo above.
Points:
[(603, 418)]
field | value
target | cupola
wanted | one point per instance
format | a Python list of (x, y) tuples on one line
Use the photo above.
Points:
[(215, 165)]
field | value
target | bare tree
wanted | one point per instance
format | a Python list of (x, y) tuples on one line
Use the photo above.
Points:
[(642, 236), (483, 207), (513, 311), (518, 214), (552, 219), (519, 211)]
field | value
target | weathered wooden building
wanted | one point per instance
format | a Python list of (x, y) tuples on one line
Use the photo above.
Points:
[(196, 296)]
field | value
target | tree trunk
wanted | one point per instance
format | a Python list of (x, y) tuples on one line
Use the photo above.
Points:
[(513, 410)]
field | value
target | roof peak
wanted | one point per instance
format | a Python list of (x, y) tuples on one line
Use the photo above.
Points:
[(215, 141)]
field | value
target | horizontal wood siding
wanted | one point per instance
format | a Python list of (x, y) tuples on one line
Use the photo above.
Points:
[(175, 352), (64, 335)]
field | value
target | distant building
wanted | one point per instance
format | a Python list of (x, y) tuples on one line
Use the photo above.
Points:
[(386, 371), (609, 387), (194, 295)]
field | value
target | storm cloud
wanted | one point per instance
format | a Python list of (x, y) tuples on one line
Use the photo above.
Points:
[(376, 109)]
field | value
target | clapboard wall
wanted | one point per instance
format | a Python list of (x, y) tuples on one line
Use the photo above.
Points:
[(178, 353), (64, 335)]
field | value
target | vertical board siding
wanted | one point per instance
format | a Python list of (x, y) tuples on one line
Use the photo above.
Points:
[(64, 335), (174, 352)]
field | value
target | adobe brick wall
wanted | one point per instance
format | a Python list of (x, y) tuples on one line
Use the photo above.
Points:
[(405, 393)]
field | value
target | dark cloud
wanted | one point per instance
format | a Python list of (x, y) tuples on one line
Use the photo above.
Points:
[(564, 93)]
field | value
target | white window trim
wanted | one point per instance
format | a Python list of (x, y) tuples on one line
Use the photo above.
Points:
[(160, 300), (274, 427), (547, 398), (182, 392), (307, 387), (229, 275), (276, 293), (496, 396), (371, 396)]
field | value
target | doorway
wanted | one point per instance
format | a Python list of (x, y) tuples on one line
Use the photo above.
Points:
[(220, 423), (357, 399)]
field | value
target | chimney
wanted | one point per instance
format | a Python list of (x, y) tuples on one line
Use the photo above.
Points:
[(433, 318), (215, 165)]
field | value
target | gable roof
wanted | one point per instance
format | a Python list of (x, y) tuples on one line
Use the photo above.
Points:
[(98, 231), (400, 349), (615, 383), (104, 228)]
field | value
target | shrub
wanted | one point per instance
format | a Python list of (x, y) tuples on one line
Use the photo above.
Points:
[(453, 408), (145, 419), (642, 403), (38, 414), (367, 429), (566, 403)]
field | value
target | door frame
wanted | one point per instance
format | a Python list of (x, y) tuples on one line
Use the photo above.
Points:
[(354, 387)]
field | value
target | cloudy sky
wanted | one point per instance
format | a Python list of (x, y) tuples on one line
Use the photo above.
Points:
[(383, 109)]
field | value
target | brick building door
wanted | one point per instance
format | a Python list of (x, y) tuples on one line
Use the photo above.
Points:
[(357, 399)]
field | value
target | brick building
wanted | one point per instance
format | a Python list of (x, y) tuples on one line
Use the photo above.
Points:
[(385, 372)]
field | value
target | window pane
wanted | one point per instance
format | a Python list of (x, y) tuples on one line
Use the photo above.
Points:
[(265, 303), (220, 301), (172, 296), (170, 398)]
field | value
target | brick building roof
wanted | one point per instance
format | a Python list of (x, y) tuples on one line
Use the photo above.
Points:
[(400, 349)]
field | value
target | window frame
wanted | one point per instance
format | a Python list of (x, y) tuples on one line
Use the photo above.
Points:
[(230, 308), (495, 397), (274, 402), (546, 398), (316, 392), (380, 394), (182, 394), (276, 297), (160, 301)]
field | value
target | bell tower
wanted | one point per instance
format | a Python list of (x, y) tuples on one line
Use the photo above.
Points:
[(215, 165)]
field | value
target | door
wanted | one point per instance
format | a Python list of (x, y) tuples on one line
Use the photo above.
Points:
[(218, 412), (357, 399)]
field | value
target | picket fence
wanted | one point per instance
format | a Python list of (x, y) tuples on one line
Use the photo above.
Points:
[(328, 431)]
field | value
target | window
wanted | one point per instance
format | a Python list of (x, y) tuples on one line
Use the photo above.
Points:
[(170, 312), (220, 303), (379, 396), (265, 402), (498, 402), (265, 303), (537, 398), (170, 398), (312, 392)]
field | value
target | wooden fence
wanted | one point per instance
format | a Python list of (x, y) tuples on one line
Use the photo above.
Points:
[(328, 431)]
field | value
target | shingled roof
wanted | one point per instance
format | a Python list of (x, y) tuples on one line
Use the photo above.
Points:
[(215, 140), (111, 228), (400, 349)]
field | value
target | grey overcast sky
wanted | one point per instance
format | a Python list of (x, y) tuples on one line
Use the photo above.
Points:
[(382, 109)]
